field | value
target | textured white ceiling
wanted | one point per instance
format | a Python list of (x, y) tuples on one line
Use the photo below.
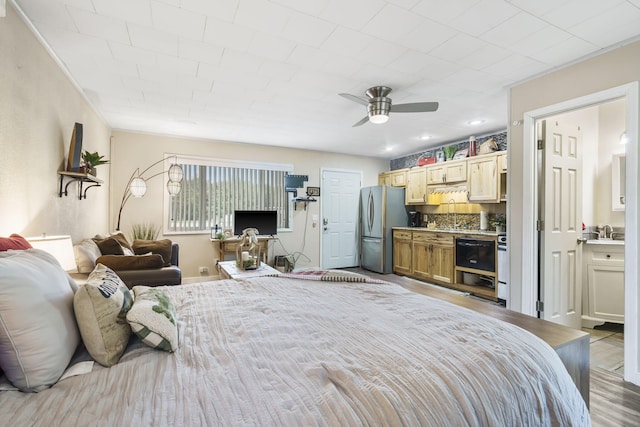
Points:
[(269, 71)]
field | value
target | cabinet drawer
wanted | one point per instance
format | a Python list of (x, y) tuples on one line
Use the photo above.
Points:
[(424, 236), (603, 255), (400, 234), (442, 239)]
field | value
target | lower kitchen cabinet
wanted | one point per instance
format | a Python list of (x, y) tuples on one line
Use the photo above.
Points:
[(402, 252), (430, 256)]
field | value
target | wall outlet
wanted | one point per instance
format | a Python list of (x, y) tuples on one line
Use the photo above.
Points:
[(204, 270)]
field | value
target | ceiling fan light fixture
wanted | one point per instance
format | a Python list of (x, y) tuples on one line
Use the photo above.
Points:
[(378, 119)]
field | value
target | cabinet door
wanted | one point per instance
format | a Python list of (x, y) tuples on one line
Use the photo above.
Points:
[(442, 263), (384, 178), (502, 162), (606, 292), (398, 178), (435, 175), (483, 180), (456, 172), (416, 193), (421, 260), (402, 254)]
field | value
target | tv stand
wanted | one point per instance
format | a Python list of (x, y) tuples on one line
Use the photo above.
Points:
[(229, 246)]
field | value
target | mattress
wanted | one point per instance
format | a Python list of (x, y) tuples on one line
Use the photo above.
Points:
[(290, 352)]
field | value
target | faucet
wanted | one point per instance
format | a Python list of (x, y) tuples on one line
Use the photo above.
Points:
[(455, 218), (604, 230)]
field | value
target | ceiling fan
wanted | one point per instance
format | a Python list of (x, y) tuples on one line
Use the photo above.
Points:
[(379, 106)]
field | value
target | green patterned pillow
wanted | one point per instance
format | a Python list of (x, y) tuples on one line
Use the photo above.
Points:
[(101, 306), (153, 319)]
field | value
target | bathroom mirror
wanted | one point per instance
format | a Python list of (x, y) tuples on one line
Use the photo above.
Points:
[(618, 177)]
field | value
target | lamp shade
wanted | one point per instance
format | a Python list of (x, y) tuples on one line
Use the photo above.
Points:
[(138, 187), (175, 173), (173, 187), (60, 247)]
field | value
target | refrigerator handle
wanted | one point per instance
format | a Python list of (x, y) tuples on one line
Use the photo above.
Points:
[(371, 210)]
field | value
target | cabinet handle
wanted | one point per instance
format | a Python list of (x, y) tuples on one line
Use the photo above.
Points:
[(608, 256)]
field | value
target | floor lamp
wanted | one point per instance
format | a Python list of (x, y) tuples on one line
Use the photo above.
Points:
[(137, 184)]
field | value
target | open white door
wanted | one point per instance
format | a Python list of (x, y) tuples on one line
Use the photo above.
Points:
[(339, 222), (561, 213)]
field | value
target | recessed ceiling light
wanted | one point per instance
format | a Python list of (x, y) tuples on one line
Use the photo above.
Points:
[(388, 148), (425, 137), (475, 122)]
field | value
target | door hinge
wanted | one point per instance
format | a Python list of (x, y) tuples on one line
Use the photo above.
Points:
[(539, 225), (539, 306), (541, 144)]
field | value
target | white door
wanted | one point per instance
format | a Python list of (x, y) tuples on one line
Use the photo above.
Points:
[(561, 212), (339, 223)]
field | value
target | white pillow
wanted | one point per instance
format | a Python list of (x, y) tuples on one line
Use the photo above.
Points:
[(86, 252), (153, 319), (38, 332), (101, 307)]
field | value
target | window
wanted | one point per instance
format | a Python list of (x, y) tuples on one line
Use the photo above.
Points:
[(212, 189)]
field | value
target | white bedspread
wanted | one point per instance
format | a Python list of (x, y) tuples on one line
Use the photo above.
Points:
[(275, 351)]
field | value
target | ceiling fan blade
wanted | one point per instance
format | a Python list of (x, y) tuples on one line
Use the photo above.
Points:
[(414, 107), (361, 122), (358, 99)]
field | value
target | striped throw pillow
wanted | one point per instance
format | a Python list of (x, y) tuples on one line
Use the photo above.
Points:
[(153, 319)]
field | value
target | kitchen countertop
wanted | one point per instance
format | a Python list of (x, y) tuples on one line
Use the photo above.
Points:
[(440, 230)]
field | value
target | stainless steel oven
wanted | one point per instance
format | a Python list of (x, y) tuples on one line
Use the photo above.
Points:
[(478, 254)]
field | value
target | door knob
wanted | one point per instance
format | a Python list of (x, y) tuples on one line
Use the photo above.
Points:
[(581, 240)]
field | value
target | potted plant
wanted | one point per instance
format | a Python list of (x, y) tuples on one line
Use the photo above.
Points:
[(91, 160), (499, 221), (449, 151)]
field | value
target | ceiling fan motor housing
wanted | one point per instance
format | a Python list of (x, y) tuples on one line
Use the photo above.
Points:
[(379, 105)]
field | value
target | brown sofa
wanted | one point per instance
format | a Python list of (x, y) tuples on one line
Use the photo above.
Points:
[(156, 266)]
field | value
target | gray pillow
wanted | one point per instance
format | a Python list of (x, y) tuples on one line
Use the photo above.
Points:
[(38, 332), (101, 307)]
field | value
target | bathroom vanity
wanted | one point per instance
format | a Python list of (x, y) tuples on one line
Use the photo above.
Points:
[(603, 278)]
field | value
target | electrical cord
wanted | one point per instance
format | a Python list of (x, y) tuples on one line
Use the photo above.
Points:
[(296, 255)]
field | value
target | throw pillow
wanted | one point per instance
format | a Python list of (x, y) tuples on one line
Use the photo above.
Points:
[(153, 319), (108, 246), (162, 247), (86, 252), (101, 307), (15, 242), (126, 247), (133, 262), (38, 332)]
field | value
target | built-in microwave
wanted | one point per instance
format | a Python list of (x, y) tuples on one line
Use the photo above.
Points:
[(478, 254)]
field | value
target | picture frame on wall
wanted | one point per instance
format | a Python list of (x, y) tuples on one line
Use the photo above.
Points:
[(75, 149), (439, 156)]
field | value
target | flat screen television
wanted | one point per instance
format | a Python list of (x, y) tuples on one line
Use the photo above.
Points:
[(265, 221)]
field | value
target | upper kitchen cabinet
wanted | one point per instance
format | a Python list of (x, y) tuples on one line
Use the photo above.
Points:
[(450, 172), (416, 193), (395, 178), (483, 179)]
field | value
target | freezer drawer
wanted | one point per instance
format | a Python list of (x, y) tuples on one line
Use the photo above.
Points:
[(373, 257)]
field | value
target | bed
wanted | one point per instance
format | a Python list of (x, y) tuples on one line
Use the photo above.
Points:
[(316, 349)]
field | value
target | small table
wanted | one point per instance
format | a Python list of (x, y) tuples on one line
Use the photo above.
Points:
[(229, 270)]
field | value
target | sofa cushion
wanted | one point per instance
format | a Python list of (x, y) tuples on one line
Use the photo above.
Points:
[(108, 246), (86, 253), (38, 332), (153, 319), (161, 247), (126, 247), (101, 307), (133, 262), (15, 242)]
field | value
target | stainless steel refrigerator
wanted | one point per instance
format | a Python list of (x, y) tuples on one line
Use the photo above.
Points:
[(381, 207)]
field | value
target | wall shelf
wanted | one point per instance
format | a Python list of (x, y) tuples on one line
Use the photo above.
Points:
[(81, 179)]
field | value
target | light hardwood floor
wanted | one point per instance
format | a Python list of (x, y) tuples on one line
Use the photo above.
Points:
[(613, 402)]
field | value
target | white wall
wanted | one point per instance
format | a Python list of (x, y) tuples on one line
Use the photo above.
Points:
[(38, 108), (131, 150)]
